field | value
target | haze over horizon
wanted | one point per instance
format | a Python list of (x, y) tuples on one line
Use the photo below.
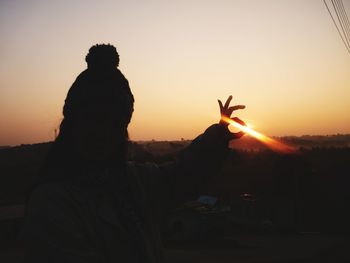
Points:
[(284, 60)]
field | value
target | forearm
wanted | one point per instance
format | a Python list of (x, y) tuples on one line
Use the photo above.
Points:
[(188, 177), (207, 151)]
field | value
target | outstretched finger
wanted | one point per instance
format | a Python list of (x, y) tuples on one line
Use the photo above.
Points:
[(227, 103), (237, 107), (220, 105), (238, 120)]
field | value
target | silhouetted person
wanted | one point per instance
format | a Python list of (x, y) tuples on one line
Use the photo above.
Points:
[(90, 204)]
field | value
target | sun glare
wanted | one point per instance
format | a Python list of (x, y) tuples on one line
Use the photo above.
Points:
[(269, 142)]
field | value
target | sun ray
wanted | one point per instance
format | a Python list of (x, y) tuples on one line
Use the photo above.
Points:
[(269, 142)]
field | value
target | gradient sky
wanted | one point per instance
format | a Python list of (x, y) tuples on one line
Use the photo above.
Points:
[(283, 59)]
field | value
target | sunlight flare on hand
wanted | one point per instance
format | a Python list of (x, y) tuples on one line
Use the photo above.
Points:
[(269, 142)]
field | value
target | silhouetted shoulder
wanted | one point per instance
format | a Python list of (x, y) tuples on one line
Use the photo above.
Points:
[(48, 192), (60, 200), (47, 207)]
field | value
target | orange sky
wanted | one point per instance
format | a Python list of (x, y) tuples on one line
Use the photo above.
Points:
[(283, 59)]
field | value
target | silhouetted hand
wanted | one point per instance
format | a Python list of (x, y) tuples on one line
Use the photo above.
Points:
[(226, 111)]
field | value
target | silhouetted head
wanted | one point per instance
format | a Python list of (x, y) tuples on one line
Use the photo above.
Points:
[(97, 111), (102, 57)]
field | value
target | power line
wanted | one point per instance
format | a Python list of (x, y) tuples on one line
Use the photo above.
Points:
[(345, 16), (340, 34), (336, 25), (341, 20)]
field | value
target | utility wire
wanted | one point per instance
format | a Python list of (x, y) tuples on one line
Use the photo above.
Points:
[(347, 23), (340, 34), (345, 16), (341, 20)]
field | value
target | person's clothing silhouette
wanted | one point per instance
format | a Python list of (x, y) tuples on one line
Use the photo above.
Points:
[(92, 205)]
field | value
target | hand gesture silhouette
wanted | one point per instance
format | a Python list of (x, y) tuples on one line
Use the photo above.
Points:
[(226, 111)]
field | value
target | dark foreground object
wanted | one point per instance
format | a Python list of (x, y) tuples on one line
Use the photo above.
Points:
[(299, 248)]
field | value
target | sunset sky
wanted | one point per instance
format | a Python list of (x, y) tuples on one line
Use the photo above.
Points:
[(283, 59)]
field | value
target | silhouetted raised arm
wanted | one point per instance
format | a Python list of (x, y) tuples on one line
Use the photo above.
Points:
[(187, 176)]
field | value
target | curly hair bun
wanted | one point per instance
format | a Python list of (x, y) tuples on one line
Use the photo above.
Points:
[(102, 56)]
